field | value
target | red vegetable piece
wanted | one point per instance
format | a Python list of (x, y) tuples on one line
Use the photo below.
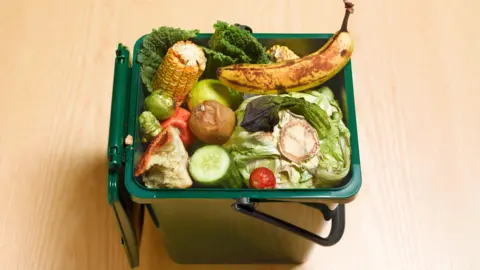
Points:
[(179, 119), (262, 178), (157, 142), (180, 113)]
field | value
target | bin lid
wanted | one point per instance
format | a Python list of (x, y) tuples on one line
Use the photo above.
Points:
[(128, 214)]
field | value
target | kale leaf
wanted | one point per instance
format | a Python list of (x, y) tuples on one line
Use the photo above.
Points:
[(230, 44)]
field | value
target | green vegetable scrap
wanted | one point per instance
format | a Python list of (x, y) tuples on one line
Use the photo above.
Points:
[(237, 43), (261, 114), (155, 46), (214, 60), (149, 126), (335, 150), (260, 148), (212, 166), (160, 105), (213, 89), (230, 44), (324, 90)]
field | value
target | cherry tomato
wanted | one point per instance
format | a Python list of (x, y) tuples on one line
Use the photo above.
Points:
[(262, 178)]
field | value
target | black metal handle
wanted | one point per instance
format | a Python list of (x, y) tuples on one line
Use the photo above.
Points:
[(337, 216)]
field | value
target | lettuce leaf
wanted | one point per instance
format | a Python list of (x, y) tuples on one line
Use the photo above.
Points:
[(262, 114), (250, 150), (335, 151)]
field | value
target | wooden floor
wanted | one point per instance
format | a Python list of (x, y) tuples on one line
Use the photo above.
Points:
[(416, 72)]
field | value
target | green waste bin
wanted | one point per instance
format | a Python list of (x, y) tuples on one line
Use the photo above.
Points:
[(211, 226)]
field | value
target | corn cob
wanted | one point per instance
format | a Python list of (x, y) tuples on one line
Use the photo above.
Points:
[(180, 70), (279, 53)]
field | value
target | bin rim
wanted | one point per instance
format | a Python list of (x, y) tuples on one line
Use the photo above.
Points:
[(344, 193)]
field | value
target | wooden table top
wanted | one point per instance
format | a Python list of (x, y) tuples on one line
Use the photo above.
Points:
[(417, 98)]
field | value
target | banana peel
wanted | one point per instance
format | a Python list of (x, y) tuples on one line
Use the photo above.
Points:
[(296, 74)]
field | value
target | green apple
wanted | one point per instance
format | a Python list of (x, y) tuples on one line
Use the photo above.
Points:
[(212, 89)]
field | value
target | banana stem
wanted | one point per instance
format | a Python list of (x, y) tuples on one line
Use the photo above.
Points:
[(348, 10)]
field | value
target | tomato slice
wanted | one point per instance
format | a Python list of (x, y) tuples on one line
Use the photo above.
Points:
[(262, 178)]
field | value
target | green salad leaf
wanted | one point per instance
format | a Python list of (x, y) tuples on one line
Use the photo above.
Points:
[(251, 150), (328, 168), (261, 114), (155, 46)]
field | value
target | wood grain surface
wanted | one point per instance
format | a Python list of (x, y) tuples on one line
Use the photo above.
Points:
[(417, 97)]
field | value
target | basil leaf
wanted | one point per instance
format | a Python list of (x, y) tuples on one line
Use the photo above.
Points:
[(260, 115)]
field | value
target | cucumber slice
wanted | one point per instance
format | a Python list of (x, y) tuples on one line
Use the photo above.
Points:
[(209, 165)]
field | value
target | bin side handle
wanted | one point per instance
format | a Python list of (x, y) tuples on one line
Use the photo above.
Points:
[(336, 231)]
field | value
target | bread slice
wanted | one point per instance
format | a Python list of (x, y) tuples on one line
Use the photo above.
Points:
[(165, 162)]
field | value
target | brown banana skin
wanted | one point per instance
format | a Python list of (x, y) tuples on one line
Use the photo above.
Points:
[(293, 75)]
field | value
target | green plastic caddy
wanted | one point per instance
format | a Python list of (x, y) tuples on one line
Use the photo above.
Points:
[(212, 226)]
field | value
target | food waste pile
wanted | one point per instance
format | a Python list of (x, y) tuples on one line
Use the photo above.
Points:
[(235, 114)]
